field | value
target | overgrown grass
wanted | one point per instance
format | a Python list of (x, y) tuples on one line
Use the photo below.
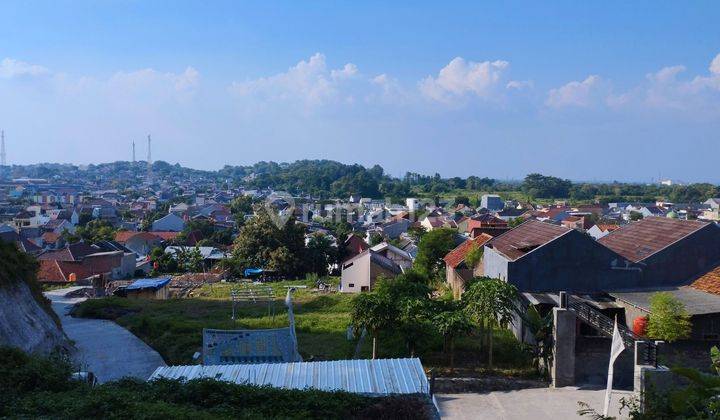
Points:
[(32, 387), (174, 328)]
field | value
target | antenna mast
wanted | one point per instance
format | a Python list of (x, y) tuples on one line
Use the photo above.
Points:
[(133, 161)]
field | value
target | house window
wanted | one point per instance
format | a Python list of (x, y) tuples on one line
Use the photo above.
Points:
[(346, 266), (364, 289), (351, 285)]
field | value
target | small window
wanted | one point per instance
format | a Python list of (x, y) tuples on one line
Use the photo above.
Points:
[(346, 266), (364, 289), (351, 285)]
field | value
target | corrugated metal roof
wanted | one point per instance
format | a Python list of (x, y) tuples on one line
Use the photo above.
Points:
[(696, 301), (375, 377), (523, 239), (643, 238)]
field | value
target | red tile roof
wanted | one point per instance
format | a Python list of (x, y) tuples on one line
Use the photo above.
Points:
[(643, 238), (165, 236), (51, 271), (608, 228), (124, 235), (457, 255), (50, 237), (708, 282), (517, 242)]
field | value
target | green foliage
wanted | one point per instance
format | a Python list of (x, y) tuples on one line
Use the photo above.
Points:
[(515, 222), (93, 231), (636, 215), (33, 387), (262, 244), (490, 300), (451, 321), (240, 206), (320, 254), (18, 267), (474, 256), (668, 319), (541, 186), (373, 312), (375, 239), (433, 246), (162, 262)]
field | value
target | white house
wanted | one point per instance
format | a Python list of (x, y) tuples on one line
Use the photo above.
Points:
[(360, 272)]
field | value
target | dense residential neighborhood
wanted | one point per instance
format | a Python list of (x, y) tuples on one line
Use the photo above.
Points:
[(354, 210), (577, 264)]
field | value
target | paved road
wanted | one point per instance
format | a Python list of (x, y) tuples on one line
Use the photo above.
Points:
[(533, 403), (104, 348)]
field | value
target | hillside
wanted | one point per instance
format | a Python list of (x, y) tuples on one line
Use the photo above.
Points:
[(26, 318)]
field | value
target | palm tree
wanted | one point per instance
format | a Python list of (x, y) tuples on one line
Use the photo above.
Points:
[(451, 322), (492, 301), (541, 328), (373, 312)]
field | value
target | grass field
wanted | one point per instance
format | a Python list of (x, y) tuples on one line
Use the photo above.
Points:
[(174, 327)]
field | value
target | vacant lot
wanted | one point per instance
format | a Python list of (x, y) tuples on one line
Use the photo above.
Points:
[(174, 327)]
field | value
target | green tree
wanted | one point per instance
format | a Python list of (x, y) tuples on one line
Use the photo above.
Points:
[(451, 321), (411, 295), (373, 312), (669, 320), (240, 206), (260, 243), (636, 215), (432, 248), (93, 231), (320, 255), (491, 304)]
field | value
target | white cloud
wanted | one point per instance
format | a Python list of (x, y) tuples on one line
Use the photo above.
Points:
[(520, 84), (10, 68), (461, 77), (575, 94), (308, 81), (149, 78)]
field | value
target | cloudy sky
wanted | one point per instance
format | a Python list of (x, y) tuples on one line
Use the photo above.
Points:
[(609, 91)]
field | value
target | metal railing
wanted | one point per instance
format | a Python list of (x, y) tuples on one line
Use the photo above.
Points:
[(647, 354)]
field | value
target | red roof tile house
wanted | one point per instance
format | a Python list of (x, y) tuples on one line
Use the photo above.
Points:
[(457, 272), (80, 261)]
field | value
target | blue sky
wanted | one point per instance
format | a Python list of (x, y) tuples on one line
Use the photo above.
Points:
[(602, 91)]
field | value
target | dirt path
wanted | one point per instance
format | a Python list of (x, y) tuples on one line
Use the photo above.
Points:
[(108, 350)]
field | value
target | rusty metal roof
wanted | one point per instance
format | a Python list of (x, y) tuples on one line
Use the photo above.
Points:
[(530, 235), (643, 238)]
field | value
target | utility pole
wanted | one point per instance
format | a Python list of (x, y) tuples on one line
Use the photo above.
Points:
[(149, 160)]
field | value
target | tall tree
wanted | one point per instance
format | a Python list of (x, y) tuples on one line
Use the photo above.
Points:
[(490, 302), (374, 313), (433, 246), (451, 322)]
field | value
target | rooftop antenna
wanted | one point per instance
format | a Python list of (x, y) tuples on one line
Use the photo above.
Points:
[(133, 161), (149, 160), (3, 156)]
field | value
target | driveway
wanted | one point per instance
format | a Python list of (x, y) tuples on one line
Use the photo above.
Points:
[(532, 403), (108, 350)]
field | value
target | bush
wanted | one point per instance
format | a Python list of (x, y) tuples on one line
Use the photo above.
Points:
[(32, 387)]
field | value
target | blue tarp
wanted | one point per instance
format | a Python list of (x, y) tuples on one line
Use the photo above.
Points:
[(157, 283), (253, 272)]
